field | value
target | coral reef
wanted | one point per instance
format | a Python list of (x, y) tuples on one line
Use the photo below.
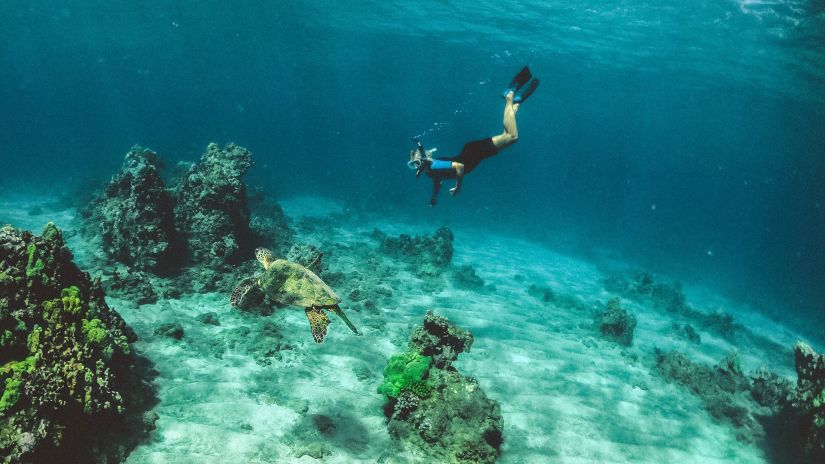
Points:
[(465, 276), (426, 255), (770, 390), (809, 400), (269, 224), (615, 323), (211, 211), (308, 256), (72, 388), (440, 340), (432, 406), (170, 330), (687, 332), (641, 286), (133, 215), (721, 389)]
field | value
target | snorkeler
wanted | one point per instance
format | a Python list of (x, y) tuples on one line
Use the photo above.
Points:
[(476, 151)]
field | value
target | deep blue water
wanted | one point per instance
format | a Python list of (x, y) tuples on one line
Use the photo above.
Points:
[(685, 137)]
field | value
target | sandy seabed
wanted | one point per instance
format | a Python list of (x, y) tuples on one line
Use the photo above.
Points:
[(258, 389)]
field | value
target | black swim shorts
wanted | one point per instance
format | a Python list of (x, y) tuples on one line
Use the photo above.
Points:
[(475, 152)]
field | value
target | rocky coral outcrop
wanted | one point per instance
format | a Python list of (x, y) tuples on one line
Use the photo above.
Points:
[(434, 408), (440, 340), (809, 400), (269, 224), (466, 277), (615, 323), (640, 285), (427, 255), (211, 211), (306, 255), (721, 388), (133, 215), (72, 388)]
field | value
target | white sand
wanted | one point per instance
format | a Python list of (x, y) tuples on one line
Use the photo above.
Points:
[(567, 396)]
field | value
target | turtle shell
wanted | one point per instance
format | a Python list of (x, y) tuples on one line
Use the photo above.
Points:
[(290, 283)]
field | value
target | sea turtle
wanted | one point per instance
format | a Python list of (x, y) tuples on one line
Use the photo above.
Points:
[(291, 284)]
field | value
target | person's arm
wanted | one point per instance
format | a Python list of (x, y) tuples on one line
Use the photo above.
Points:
[(459, 178), (436, 189)]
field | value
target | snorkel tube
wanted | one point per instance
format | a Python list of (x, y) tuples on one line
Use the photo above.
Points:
[(423, 154)]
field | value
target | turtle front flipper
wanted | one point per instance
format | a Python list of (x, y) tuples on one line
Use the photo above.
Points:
[(340, 313), (318, 322)]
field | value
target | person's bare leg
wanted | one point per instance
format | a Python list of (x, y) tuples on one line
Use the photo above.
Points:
[(510, 134)]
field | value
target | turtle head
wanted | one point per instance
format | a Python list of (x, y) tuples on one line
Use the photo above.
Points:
[(264, 256)]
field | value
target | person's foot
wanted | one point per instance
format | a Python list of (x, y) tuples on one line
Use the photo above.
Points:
[(509, 96)]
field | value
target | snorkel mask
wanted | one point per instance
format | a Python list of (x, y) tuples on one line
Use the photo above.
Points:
[(418, 161)]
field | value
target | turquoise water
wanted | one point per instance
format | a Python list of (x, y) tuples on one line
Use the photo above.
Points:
[(682, 137), (686, 136)]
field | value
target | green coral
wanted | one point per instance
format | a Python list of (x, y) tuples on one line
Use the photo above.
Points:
[(35, 265), (33, 340), (406, 372), (12, 384), (11, 393), (819, 400), (71, 299), (94, 332), (51, 232)]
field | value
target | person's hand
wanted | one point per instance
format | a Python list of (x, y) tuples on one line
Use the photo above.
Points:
[(454, 191), (432, 202)]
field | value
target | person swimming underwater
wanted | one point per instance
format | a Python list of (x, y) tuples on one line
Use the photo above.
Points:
[(476, 151)]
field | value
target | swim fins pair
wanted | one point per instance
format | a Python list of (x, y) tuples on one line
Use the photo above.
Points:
[(517, 85)]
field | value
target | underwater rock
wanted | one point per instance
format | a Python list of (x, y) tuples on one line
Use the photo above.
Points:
[(719, 388), (434, 408), (269, 224), (687, 332), (440, 340), (427, 255), (616, 323), (72, 388), (641, 286), (134, 217), (136, 286), (211, 211), (308, 256), (543, 294), (770, 390), (465, 276), (809, 400), (210, 318), (170, 329)]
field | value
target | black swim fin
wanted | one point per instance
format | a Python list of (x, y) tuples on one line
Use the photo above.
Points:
[(526, 91), (518, 81)]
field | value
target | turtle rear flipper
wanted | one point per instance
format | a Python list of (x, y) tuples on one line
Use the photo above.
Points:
[(247, 294), (340, 313), (318, 322)]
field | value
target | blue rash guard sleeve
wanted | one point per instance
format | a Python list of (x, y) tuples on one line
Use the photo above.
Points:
[(438, 164)]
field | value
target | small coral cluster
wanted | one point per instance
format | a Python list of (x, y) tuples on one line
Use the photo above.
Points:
[(431, 406), (720, 388), (641, 286), (615, 323), (426, 255), (70, 384)]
